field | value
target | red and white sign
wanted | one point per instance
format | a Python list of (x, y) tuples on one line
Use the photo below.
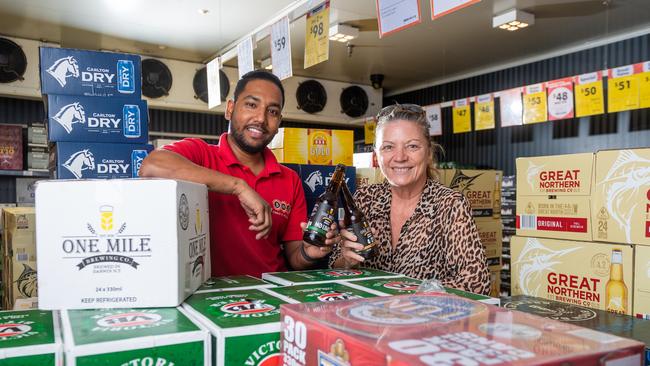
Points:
[(443, 7), (396, 15), (560, 99)]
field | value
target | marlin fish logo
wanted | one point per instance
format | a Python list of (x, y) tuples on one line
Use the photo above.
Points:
[(629, 174), (534, 261), (461, 182), (532, 172)]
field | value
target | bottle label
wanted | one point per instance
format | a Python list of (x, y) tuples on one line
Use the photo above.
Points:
[(363, 232), (321, 219)]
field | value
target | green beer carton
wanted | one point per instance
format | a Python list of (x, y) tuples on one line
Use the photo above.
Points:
[(323, 292), (324, 275), (245, 325), (30, 338), (155, 336), (224, 283), (407, 285)]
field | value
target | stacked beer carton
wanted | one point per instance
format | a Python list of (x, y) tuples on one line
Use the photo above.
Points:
[(19, 258), (97, 123), (508, 218), (313, 146), (482, 188), (582, 223)]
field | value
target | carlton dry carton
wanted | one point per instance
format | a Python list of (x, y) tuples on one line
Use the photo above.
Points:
[(440, 329), (109, 248), (225, 283), (406, 285), (77, 160), (553, 196), (587, 274), (138, 337), (244, 324), (90, 73), (321, 292), (19, 259), (91, 119), (621, 198), (324, 275), (313, 146), (30, 338), (616, 324), (479, 187)]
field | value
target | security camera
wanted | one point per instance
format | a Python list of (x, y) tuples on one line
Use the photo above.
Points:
[(377, 80)]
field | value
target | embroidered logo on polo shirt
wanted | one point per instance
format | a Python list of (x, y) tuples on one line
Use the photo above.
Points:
[(281, 208)]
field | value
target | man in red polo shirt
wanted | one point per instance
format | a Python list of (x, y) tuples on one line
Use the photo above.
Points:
[(257, 206)]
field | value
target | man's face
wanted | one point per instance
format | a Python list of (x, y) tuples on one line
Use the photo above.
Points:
[(255, 116)]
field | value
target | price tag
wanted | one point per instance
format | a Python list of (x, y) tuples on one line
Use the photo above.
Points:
[(214, 83), (484, 112), (511, 107), (560, 99), (317, 35), (369, 131), (622, 89), (443, 7), (395, 15), (534, 103), (245, 56), (644, 85), (462, 119), (281, 49), (434, 116), (589, 94)]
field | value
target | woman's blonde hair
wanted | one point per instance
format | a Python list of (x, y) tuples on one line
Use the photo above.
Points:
[(416, 114)]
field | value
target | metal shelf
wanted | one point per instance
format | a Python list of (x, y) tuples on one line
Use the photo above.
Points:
[(25, 173)]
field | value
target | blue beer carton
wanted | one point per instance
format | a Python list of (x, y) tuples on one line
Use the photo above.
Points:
[(81, 160), (90, 73), (92, 119), (315, 179)]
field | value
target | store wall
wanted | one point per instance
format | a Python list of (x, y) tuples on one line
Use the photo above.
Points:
[(498, 148)]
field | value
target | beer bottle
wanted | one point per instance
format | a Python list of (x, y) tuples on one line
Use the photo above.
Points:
[(323, 215), (616, 291), (355, 222)]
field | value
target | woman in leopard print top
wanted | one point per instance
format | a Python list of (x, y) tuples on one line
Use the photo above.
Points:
[(424, 230)]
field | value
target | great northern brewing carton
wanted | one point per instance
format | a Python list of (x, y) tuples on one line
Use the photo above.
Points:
[(139, 337), (482, 188), (110, 247), (553, 196), (30, 338), (490, 231), (323, 292), (225, 283), (642, 282), (244, 324), (440, 329), (406, 285), (621, 198), (313, 146), (324, 275), (19, 259), (588, 274)]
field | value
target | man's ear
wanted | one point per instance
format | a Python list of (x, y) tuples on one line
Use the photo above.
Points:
[(230, 106)]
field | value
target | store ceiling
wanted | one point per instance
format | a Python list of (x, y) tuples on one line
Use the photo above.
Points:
[(454, 45)]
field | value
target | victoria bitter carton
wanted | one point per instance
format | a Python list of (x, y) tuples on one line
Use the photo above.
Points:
[(324, 275), (30, 338), (236, 282)]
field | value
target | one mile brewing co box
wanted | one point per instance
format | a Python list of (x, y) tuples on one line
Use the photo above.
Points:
[(109, 247), (30, 338)]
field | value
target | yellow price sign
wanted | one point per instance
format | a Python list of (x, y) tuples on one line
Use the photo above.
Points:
[(535, 103), (484, 112), (369, 131), (644, 85), (589, 94), (462, 119), (317, 35), (622, 89)]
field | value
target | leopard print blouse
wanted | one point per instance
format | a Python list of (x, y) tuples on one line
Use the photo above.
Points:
[(438, 241)]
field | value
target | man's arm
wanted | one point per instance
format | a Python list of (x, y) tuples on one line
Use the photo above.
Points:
[(167, 164)]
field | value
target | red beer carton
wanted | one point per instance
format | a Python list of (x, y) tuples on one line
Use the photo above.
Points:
[(11, 147)]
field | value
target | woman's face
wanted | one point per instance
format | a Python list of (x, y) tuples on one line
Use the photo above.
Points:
[(402, 152)]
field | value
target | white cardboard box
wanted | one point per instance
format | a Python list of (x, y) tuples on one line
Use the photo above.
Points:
[(120, 243)]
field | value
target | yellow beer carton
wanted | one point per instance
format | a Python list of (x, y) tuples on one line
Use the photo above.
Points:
[(641, 282), (19, 258), (367, 176), (313, 146), (479, 186), (621, 198), (588, 274), (491, 233), (554, 196)]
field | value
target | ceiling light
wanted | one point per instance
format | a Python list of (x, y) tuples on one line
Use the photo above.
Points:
[(343, 33), (513, 20), (266, 64)]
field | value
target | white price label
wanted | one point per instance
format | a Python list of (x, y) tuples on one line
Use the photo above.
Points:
[(281, 49)]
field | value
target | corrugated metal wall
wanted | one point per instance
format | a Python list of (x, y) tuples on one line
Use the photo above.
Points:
[(498, 148)]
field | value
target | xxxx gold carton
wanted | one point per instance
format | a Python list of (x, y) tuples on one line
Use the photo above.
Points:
[(554, 196), (621, 198), (480, 187), (117, 238), (587, 274), (642, 282), (490, 231), (313, 146)]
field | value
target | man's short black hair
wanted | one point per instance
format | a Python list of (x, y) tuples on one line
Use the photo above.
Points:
[(258, 75)]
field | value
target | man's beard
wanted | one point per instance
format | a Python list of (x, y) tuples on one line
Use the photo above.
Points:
[(240, 140)]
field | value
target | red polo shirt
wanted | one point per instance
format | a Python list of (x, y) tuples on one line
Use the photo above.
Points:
[(234, 249)]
